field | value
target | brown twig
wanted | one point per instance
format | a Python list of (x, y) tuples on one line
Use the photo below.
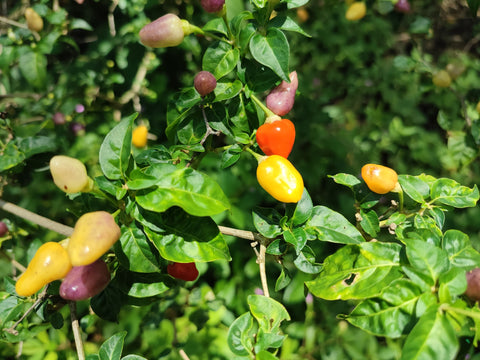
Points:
[(35, 218), (8, 21), (77, 335), (41, 297)]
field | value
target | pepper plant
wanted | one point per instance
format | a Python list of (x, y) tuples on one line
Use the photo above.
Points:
[(165, 219)]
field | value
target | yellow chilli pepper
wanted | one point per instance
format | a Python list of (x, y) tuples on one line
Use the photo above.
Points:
[(50, 262), (277, 176), (380, 179)]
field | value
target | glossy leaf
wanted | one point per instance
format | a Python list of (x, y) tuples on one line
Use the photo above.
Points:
[(303, 209), (391, 314), (369, 222), (268, 312), (328, 225), (283, 22), (142, 285), (220, 59), (460, 250), (112, 348), (115, 150), (181, 106), (193, 191), (266, 221), (449, 192), (432, 338), (357, 271), (305, 261), (272, 51), (135, 252), (227, 90), (345, 179), (33, 66), (427, 258), (186, 238), (240, 335), (297, 237), (216, 25), (414, 187)]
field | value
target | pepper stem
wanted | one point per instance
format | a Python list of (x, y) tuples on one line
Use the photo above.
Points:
[(262, 106), (257, 156)]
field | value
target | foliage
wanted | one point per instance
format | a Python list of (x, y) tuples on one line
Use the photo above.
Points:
[(371, 276)]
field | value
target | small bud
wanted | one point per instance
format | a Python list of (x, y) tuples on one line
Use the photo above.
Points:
[(77, 128), (204, 83), (212, 6), (166, 31)]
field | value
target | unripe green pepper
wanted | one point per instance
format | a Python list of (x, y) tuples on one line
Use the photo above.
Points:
[(277, 176)]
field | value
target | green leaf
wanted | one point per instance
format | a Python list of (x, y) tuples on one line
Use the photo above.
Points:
[(305, 261), (115, 150), (427, 258), (390, 315), (328, 225), (241, 335), (283, 280), (220, 59), (266, 221), (227, 90), (291, 4), (11, 156), (135, 252), (432, 338), (265, 355), (473, 5), (33, 66), (216, 25), (186, 238), (272, 51), (460, 250), (268, 312), (284, 22), (142, 285), (180, 106), (414, 187), (297, 237), (194, 192), (357, 271), (369, 222), (108, 303), (345, 179), (303, 209), (112, 348), (133, 357), (449, 192)]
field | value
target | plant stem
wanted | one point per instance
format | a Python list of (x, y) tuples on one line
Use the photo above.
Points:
[(35, 218), (20, 25), (266, 110), (470, 313), (257, 156), (41, 297), (263, 273), (76, 330), (183, 354)]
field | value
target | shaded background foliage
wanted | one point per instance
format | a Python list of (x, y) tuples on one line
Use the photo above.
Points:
[(365, 95)]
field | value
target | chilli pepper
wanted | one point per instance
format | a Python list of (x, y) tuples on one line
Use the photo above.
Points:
[(276, 136), (379, 179), (277, 176)]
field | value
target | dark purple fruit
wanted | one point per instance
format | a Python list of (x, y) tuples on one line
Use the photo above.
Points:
[(473, 284), (204, 83), (3, 229), (83, 282), (402, 6), (59, 118), (212, 6), (77, 128)]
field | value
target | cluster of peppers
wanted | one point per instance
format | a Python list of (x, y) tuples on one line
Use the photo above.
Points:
[(78, 259), (275, 173)]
